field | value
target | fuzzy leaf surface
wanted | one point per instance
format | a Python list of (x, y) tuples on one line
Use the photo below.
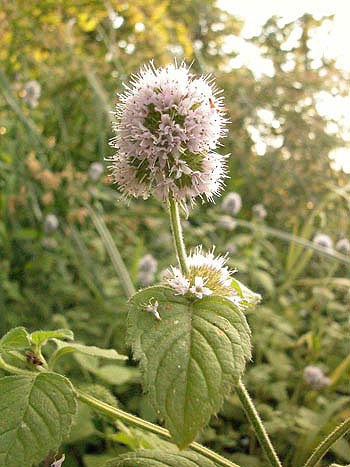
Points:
[(190, 359), (36, 415), (15, 339), (41, 337), (156, 458)]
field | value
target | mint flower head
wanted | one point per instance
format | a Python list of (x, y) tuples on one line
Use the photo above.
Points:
[(207, 275), (168, 125)]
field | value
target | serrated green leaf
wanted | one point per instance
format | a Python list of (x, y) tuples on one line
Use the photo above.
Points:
[(155, 458), (90, 350), (190, 359), (41, 337), (15, 339), (36, 415)]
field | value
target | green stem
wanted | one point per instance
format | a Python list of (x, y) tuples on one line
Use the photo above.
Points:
[(177, 234), (143, 424), (258, 426), (323, 447)]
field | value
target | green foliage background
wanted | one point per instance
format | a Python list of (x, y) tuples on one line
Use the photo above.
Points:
[(75, 50)]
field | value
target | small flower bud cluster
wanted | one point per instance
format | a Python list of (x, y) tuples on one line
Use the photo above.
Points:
[(232, 203), (231, 248), (206, 275), (259, 211), (95, 171), (323, 240), (226, 223), (343, 246), (50, 224), (147, 269), (32, 93), (168, 125), (315, 377)]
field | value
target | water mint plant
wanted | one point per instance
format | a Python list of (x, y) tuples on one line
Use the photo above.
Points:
[(189, 333)]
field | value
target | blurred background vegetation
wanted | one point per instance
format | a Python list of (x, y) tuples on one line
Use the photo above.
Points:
[(61, 65)]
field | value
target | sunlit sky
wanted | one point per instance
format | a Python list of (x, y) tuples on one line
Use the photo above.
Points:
[(332, 41)]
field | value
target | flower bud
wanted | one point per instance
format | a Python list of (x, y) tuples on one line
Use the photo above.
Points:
[(226, 223), (232, 203), (315, 377), (95, 171), (323, 240), (259, 211), (343, 245), (147, 269), (145, 279), (148, 264), (32, 93), (51, 224)]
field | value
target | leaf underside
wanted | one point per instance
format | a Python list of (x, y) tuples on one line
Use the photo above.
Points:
[(155, 458), (190, 359), (36, 415)]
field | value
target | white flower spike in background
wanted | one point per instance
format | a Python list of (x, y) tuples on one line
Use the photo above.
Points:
[(32, 93), (51, 224), (147, 269), (315, 377), (168, 125), (232, 203), (323, 240), (259, 211), (343, 245), (95, 171)]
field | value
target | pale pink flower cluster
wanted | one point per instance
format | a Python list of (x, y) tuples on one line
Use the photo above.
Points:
[(207, 275), (315, 377), (168, 125), (323, 240)]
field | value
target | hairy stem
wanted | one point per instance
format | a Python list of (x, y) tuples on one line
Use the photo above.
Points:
[(257, 424), (143, 424), (323, 447), (177, 234)]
